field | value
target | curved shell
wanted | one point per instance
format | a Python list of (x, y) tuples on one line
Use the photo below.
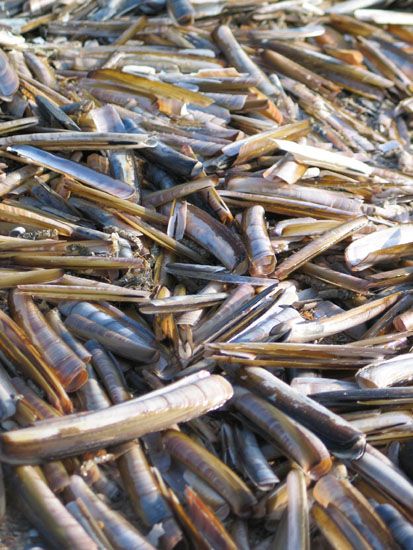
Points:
[(9, 82)]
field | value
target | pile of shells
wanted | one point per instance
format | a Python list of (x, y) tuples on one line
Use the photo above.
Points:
[(206, 273)]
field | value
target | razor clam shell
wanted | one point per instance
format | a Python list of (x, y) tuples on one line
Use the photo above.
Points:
[(114, 341), (297, 511), (327, 309), (11, 278), (81, 292), (337, 529), (182, 11), (74, 262), (401, 529), (306, 332), (61, 141), (395, 371), (111, 318), (282, 205), (262, 143), (313, 156), (210, 497), (336, 70), (47, 512), (334, 199), (296, 442), (342, 280), (387, 479), (253, 461), (52, 111), (361, 398), (151, 87), (109, 372), (295, 349), (74, 170), (77, 510), (118, 530), (192, 317), (309, 385), (91, 395), (208, 523), (214, 273), (379, 424), (260, 252), (320, 244), (221, 478), (17, 177), (239, 59), (8, 78), (216, 238), (259, 329), (69, 368), (365, 251), (224, 134), (177, 304), (341, 437), (339, 493), (71, 435), (164, 196), (18, 349), (383, 17), (141, 484), (234, 318), (239, 296), (165, 155)]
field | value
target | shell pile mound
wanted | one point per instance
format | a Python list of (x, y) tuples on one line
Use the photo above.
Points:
[(206, 273)]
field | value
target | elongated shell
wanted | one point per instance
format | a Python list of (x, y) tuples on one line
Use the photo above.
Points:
[(239, 59), (386, 477), (306, 332), (241, 295), (212, 470), (69, 368), (118, 334), (109, 372), (122, 534), (141, 484), (207, 522), (48, 514), (78, 433), (401, 529), (253, 461), (294, 440), (53, 317), (319, 245), (9, 82), (182, 11), (16, 346), (259, 247), (391, 372), (337, 529), (298, 521), (216, 238), (372, 248), (337, 434), (339, 493), (77, 171), (114, 341)]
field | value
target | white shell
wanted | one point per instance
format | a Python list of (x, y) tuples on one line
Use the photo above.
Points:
[(360, 249)]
